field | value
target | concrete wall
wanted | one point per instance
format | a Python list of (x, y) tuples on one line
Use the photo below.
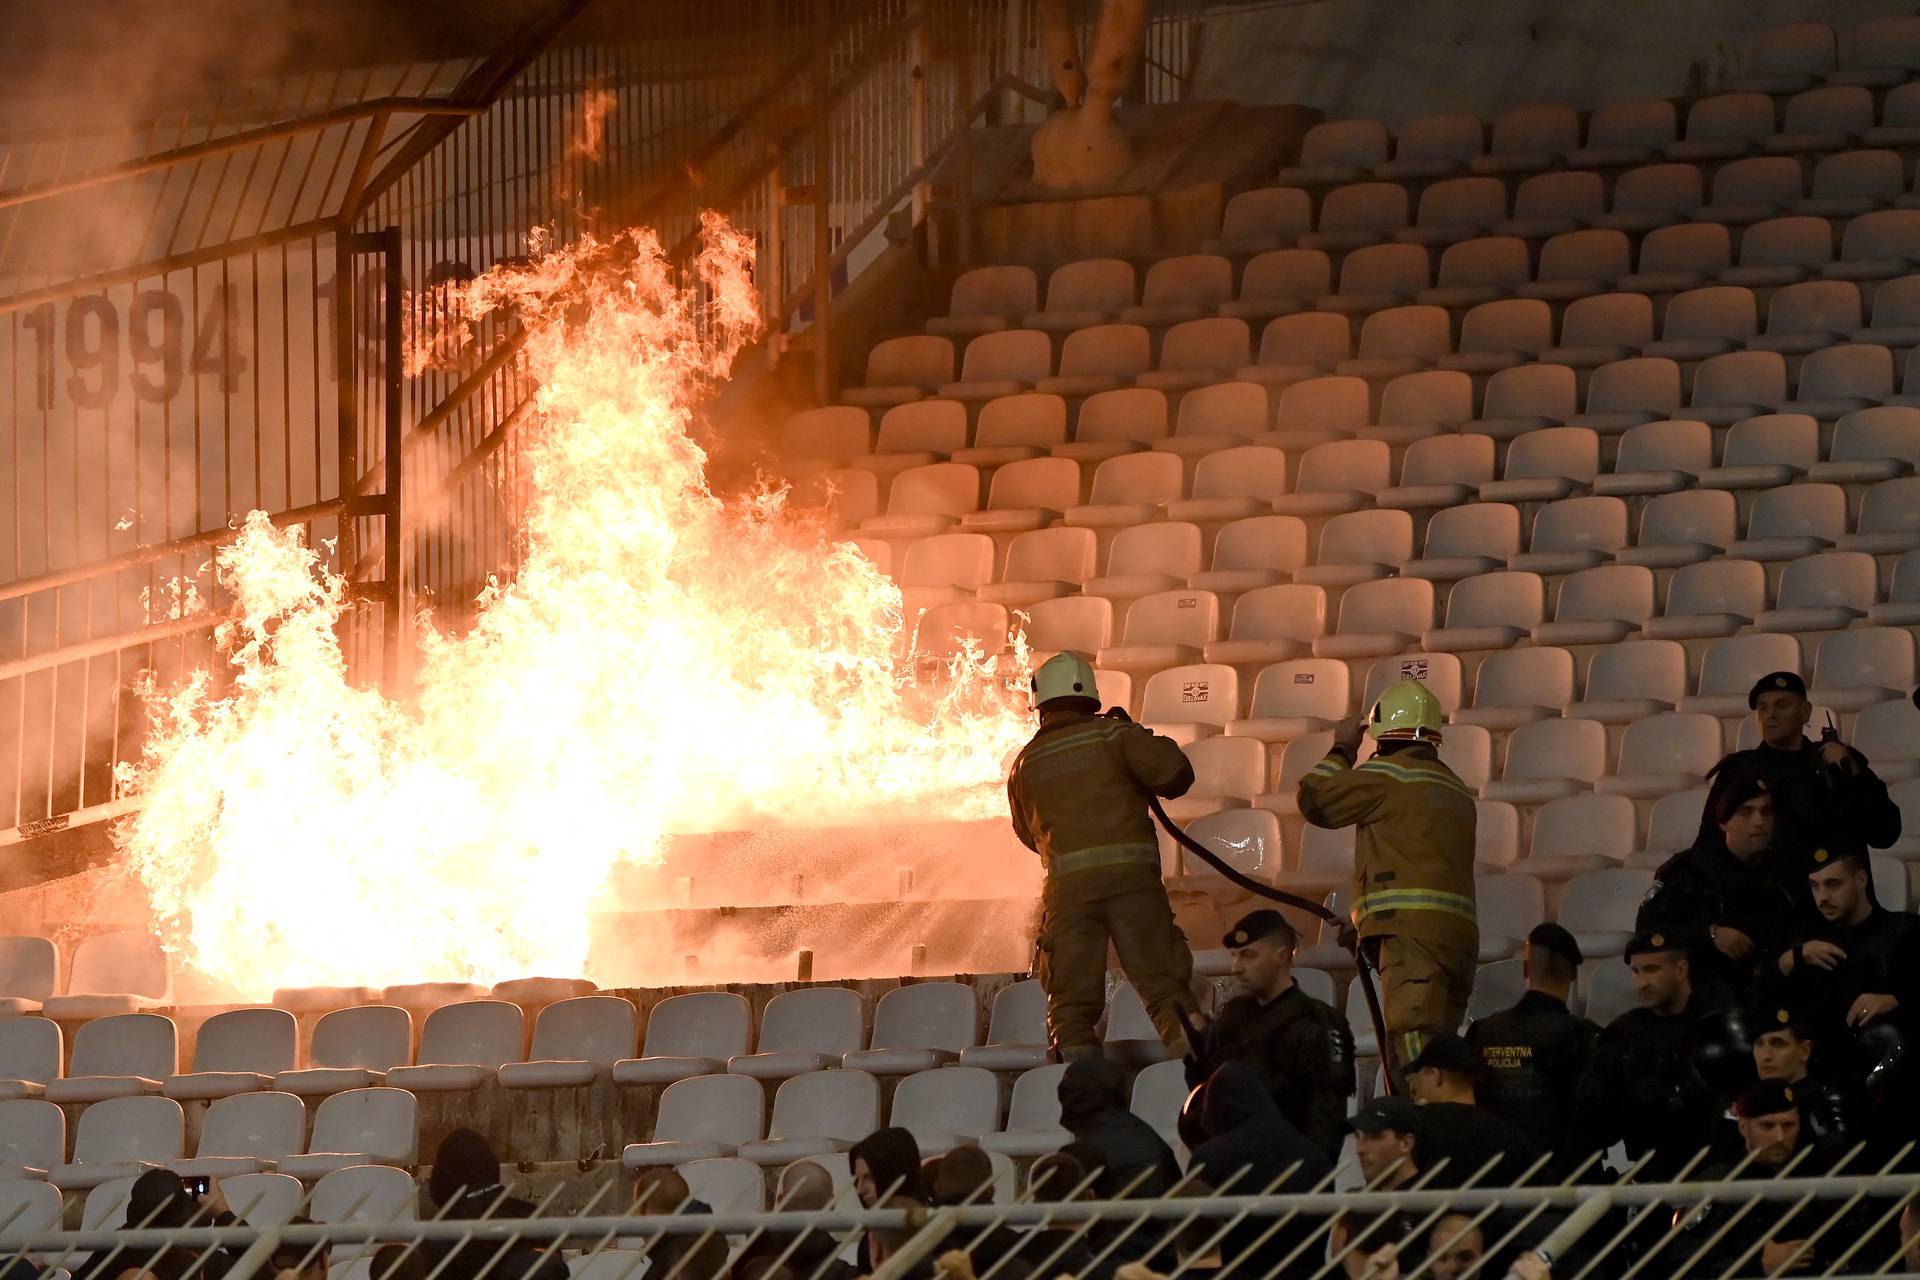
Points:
[(1393, 59)]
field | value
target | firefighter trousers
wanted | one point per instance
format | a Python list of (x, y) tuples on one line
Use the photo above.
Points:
[(1425, 989), (1072, 966)]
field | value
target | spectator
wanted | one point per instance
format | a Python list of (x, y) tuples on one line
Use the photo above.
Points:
[(1642, 1089), (1783, 1050), (886, 1163), (1056, 1178), (1132, 1160), (1253, 1150), (804, 1186), (301, 1261), (159, 1199), (1823, 792), (882, 1243), (1533, 1055), (965, 1176), (1368, 1248), (1460, 1142), (686, 1256), (1129, 1160), (1455, 1246), (886, 1168), (1300, 1048), (465, 1184), (1385, 1134), (398, 1262), (1733, 893)]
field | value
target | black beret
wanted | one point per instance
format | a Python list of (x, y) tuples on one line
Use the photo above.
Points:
[(1776, 682), (1652, 941), (1765, 1098), (1252, 927)]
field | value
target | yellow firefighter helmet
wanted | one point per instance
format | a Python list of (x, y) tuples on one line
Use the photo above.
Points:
[(1407, 711), (1064, 675)]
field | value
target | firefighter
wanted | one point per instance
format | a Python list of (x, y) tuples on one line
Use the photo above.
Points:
[(1077, 793), (1413, 904)]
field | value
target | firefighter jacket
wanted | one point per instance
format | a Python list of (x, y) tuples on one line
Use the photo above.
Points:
[(1413, 846), (1077, 795)]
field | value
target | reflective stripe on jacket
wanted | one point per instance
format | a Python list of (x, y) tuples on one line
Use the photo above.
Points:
[(1075, 792), (1412, 844)]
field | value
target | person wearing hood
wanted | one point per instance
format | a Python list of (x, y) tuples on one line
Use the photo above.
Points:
[(1251, 1149), (1130, 1160), (886, 1168), (1093, 1108), (464, 1185)]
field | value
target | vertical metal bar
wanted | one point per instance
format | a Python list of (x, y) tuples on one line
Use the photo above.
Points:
[(962, 54), (348, 445), (397, 605), (824, 382)]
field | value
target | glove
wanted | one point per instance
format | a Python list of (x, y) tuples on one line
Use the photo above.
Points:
[(1347, 936)]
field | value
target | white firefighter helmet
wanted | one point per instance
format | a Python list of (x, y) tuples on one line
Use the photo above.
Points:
[(1065, 675)]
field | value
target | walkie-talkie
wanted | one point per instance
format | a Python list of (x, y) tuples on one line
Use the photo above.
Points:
[(1829, 734)]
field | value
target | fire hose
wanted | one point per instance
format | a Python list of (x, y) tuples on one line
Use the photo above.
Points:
[(1343, 930)]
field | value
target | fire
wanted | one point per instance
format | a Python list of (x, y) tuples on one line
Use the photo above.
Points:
[(668, 660)]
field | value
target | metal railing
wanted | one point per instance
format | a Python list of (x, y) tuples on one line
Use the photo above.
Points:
[(1743, 1222), (179, 297)]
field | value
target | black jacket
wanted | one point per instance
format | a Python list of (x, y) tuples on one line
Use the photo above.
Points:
[(1301, 1050), (1533, 1057), (1814, 806), (1255, 1150), (1642, 1090), (1477, 1146), (1883, 958), (1765, 897)]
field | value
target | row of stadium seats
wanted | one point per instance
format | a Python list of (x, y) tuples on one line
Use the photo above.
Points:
[(1879, 54), (1612, 332), (1550, 467), (1773, 255)]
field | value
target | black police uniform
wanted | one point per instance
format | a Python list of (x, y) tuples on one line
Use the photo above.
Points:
[(1883, 956), (1642, 1089), (1299, 1047), (1532, 1058), (1813, 805), (1458, 1143), (1764, 897), (1734, 1233)]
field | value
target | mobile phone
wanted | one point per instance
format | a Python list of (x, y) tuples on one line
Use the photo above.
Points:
[(198, 1187)]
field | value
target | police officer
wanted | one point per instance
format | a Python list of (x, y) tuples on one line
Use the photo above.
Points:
[(1783, 1050), (1077, 794), (1642, 1089), (1299, 1047), (1534, 1054), (1824, 793), (1733, 892), (1413, 902), (1856, 972), (1461, 1142)]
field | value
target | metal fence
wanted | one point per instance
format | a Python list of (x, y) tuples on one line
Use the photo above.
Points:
[(1745, 1222)]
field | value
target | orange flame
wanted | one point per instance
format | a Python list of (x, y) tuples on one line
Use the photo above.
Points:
[(667, 660)]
